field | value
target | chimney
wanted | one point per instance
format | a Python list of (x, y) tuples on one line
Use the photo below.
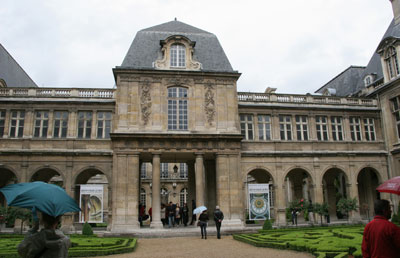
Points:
[(396, 10)]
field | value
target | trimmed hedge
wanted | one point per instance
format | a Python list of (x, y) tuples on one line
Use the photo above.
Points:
[(324, 242), (82, 246)]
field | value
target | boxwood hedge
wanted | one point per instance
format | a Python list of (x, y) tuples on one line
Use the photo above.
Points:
[(324, 242)]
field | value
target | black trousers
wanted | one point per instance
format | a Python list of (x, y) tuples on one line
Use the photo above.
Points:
[(218, 225)]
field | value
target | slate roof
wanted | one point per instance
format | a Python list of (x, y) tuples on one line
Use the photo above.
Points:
[(343, 82), (351, 83), (12, 73), (145, 48)]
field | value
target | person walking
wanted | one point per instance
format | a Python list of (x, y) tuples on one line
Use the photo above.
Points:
[(185, 214), (203, 218), (218, 218), (381, 237), (49, 242), (171, 214)]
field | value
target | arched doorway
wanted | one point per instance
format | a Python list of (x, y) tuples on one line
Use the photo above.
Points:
[(298, 185), (261, 176), (367, 182), (48, 175), (7, 177), (92, 194), (334, 188)]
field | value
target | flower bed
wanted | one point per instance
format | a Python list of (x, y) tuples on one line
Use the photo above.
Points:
[(322, 242), (81, 246)]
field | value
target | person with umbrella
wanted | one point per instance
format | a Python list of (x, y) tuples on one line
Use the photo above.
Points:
[(203, 218), (381, 237), (52, 201)]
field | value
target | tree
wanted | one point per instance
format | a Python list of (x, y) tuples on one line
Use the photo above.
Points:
[(19, 213), (321, 209), (346, 205)]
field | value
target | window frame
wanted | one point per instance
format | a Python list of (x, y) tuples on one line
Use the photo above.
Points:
[(183, 193), (41, 124), (369, 129), (177, 55), (177, 110), (17, 130), (302, 128), (285, 127), (247, 126), (3, 114), (85, 132), (183, 170), (104, 124), (337, 128), (264, 124), (392, 63), (355, 128), (395, 102), (323, 132), (164, 170), (61, 117)]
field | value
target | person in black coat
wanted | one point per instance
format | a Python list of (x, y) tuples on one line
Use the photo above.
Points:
[(218, 217), (203, 218)]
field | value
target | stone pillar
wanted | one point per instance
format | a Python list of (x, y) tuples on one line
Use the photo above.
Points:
[(125, 194), (191, 186), (353, 187), (199, 171), (156, 202), (280, 204)]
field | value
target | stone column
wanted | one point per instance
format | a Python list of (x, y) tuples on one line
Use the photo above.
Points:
[(199, 171), (125, 194), (156, 202)]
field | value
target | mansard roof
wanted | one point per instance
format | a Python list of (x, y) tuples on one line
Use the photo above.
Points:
[(145, 48), (12, 73)]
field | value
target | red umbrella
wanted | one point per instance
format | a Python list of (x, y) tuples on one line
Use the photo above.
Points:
[(390, 186)]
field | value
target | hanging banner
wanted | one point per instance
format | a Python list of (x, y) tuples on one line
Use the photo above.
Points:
[(91, 204), (258, 201)]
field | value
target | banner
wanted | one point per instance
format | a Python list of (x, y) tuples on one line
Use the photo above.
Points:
[(91, 204), (258, 201)]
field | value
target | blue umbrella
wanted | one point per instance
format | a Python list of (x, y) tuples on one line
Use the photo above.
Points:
[(47, 198), (199, 209)]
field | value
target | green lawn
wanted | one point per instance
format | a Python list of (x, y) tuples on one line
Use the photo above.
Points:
[(320, 241), (82, 246)]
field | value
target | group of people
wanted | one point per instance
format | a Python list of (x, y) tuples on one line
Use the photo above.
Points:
[(173, 215)]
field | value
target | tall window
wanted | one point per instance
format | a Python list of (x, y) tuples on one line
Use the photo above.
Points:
[(183, 170), (142, 196), (103, 125), (183, 196), (285, 127), (264, 127), (177, 108), (2, 122), (17, 124), (41, 124), (355, 128), (143, 170), (322, 128), (396, 113), (392, 63), (178, 55), (85, 124), (164, 170), (337, 128), (369, 129), (302, 128), (60, 124), (246, 126)]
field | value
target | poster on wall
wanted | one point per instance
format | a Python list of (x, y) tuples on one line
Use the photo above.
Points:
[(258, 201), (91, 204)]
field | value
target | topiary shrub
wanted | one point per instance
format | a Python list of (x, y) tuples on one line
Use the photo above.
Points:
[(87, 229), (267, 224)]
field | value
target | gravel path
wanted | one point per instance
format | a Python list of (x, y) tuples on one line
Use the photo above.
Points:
[(195, 247)]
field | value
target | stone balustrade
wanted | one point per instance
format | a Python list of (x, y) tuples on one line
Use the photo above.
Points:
[(310, 99), (57, 93)]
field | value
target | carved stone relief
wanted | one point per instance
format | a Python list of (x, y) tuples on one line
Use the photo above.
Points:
[(209, 102), (145, 101)]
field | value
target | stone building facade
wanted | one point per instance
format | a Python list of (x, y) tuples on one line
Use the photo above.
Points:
[(176, 103)]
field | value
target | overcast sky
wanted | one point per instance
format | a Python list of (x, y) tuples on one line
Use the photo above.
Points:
[(296, 46)]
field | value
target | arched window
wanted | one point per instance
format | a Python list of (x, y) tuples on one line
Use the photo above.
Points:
[(177, 57), (177, 108), (392, 63), (143, 196), (183, 197)]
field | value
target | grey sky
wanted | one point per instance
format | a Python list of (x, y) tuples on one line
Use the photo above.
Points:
[(295, 46)]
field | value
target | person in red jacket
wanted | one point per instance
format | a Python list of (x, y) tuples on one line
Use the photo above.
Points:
[(381, 238)]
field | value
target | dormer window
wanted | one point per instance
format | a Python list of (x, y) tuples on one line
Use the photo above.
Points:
[(177, 53), (178, 56), (392, 63)]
